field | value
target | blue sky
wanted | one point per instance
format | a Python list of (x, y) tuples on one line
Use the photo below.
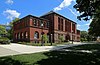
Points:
[(10, 9)]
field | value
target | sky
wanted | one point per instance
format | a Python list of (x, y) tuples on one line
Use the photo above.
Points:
[(10, 9)]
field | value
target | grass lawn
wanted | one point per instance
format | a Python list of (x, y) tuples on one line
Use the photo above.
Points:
[(57, 57), (86, 47)]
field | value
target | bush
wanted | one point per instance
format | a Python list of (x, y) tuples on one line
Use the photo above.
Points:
[(4, 40), (21, 42), (61, 39)]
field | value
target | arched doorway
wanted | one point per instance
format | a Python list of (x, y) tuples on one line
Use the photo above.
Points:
[(67, 37)]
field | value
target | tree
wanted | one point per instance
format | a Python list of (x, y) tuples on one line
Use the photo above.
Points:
[(90, 9), (15, 20), (87, 8), (84, 34), (2, 30), (94, 29), (10, 32)]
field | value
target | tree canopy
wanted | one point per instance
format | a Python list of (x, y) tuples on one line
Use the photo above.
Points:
[(2, 30), (87, 8), (90, 9), (15, 20), (10, 32)]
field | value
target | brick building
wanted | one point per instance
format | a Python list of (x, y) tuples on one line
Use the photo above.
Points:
[(31, 28)]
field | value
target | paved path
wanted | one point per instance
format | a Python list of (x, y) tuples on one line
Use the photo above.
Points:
[(14, 49)]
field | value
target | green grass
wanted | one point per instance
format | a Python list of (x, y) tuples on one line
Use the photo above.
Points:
[(57, 57), (86, 47), (26, 59)]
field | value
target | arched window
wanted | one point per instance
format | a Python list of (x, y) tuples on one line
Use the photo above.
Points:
[(36, 35), (15, 36), (26, 35), (18, 36), (21, 35)]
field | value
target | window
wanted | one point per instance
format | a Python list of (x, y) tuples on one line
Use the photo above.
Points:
[(61, 24), (21, 35), (66, 25), (41, 22), (35, 22), (73, 28), (26, 35), (15, 36), (58, 23), (47, 24), (36, 35), (18, 36)]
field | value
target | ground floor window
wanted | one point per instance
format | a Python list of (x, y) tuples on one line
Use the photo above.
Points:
[(36, 35), (26, 35)]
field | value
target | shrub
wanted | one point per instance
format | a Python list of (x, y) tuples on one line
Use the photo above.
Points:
[(4, 40), (61, 39), (45, 38), (21, 42)]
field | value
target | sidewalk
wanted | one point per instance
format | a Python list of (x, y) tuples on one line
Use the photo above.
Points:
[(14, 49)]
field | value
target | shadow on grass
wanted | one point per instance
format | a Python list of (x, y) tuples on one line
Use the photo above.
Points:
[(69, 58), (57, 57), (10, 61), (89, 47)]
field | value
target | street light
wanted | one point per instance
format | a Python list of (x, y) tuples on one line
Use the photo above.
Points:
[(72, 36), (51, 39), (42, 35)]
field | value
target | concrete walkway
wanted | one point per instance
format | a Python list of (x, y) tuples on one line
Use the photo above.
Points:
[(15, 49)]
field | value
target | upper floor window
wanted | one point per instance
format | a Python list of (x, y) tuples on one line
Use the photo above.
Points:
[(58, 23), (38, 22), (66, 26), (61, 24), (35, 22), (47, 24), (41, 23)]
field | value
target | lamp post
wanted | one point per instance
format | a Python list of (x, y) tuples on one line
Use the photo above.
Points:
[(51, 39), (72, 36), (42, 35)]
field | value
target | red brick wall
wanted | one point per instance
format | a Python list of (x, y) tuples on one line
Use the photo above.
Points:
[(26, 25), (32, 31)]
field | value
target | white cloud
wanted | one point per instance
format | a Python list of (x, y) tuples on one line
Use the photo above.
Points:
[(9, 1), (72, 12), (11, 14), (64, 4)]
